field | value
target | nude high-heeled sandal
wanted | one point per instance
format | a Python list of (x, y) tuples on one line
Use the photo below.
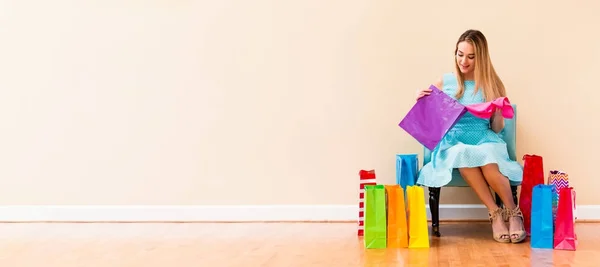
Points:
[(497, 216), (517, 230)]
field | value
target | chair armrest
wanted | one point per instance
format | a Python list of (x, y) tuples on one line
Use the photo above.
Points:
[(509, 135), (426, 155)]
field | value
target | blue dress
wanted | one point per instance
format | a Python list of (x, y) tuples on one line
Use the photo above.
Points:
[(470, 143)]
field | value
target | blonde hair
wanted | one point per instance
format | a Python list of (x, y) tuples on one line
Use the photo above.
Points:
[(485, 74)]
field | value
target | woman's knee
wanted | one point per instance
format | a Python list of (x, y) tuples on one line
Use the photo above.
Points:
[(468, 173), (491, 171)]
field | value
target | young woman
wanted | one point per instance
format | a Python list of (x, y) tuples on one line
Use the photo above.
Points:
[(473, 145)]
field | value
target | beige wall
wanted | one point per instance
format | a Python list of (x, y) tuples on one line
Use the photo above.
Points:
[(215, 102)]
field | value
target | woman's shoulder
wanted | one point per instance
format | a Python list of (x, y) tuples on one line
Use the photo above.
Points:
[(447, 83), (447, 79)]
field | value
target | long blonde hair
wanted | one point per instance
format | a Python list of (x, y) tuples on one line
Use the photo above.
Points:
[(485, 74)]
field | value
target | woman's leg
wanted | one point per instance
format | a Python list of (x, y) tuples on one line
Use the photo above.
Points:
[(501, 185), (474, 177)]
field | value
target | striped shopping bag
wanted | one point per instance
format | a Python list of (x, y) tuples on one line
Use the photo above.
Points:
[(367, 177), (560, 180)]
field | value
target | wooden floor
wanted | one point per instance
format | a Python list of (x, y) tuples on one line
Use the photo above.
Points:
[(266, 244)]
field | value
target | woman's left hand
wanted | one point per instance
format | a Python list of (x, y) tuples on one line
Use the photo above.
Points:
[(497, 121)]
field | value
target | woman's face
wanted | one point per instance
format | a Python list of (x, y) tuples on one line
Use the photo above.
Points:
[(465, 57)]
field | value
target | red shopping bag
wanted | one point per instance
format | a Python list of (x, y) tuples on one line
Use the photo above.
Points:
[(564, 227), (533, 174)]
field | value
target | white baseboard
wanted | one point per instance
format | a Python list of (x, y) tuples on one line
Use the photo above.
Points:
[(229, 213)]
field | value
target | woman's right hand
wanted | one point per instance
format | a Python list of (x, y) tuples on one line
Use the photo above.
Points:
[(422, 93)]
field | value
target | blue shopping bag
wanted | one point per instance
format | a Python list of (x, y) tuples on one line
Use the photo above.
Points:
[(407, 169), (542, 221)]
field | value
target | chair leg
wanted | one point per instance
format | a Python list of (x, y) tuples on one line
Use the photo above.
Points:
[(434, 207), (513, 188), (499, 202)]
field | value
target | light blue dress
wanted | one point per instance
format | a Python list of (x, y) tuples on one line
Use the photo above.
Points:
[(470, 143)]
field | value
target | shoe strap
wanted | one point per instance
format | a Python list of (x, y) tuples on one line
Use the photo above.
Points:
[(516, 212)]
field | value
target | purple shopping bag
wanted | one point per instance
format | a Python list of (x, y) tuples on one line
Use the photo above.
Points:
[(431, 117)]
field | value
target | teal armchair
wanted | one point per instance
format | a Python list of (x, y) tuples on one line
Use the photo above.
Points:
[(509, 134)]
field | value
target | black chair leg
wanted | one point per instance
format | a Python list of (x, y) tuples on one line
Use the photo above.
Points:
[(499, 202), (434, 207), (513, 188)]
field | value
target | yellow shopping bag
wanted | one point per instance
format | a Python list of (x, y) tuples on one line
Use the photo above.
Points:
[(418, 231)]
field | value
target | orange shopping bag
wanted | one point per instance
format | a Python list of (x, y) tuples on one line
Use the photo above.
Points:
[(397, 228)]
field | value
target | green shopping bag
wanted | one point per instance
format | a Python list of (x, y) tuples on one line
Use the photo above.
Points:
[(375, 217)]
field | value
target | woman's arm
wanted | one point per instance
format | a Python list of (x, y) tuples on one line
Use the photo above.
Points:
[(497, 121), (423, 92)]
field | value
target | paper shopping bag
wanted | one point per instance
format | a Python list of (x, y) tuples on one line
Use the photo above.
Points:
[(418, 232), (542, 223), (533, 174), (367, 177), (375, 217), (564, 230), (397, 228), (431, 117), (407, 168), (560, 180)]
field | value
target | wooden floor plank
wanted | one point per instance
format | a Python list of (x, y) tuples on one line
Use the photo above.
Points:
[(266, 244)]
